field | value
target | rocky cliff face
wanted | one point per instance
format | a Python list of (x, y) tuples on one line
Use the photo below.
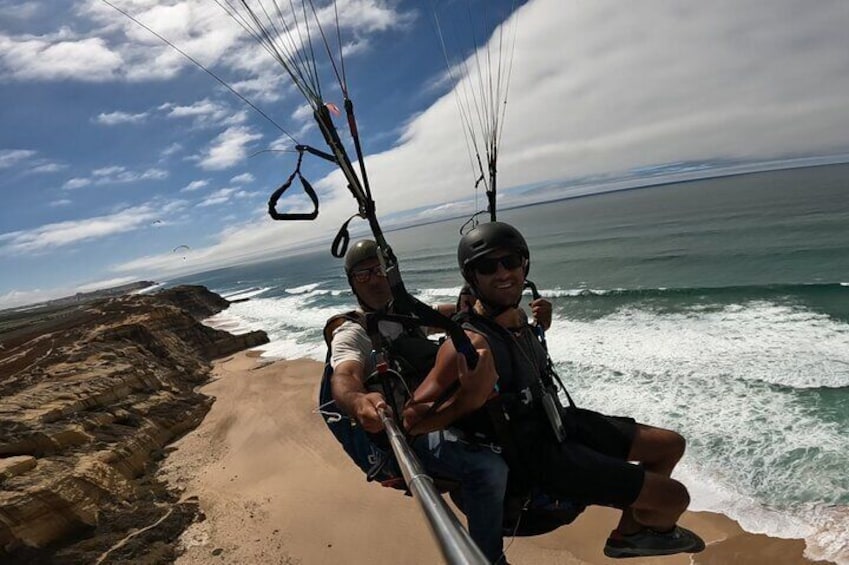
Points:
[(88, 401)]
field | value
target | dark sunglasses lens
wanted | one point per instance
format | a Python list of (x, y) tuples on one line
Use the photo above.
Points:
[(488, 266), (364, 275), (511, 262)]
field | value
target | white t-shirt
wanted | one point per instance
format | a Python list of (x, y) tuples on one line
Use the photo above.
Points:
[(350, 342)]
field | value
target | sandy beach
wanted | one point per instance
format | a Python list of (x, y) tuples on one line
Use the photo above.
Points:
[(274, 487)]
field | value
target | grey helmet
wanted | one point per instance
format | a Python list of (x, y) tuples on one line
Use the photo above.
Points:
[(359, 252), (486, 238)]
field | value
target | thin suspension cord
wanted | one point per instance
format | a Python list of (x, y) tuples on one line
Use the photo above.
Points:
[(201, 67), (339, 43), (309, 69), (313, 64), (251, 24), (282, 46), (468, 136), (509, 73), (296, 51), (480, 91), (481, 102), (326, 43)]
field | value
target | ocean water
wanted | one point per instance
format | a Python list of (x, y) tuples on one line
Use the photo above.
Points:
[(718, 308)]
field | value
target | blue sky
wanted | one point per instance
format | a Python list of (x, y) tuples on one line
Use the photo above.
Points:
[(114, 149)]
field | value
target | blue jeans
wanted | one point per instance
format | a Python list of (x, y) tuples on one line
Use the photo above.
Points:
[(482, 475)]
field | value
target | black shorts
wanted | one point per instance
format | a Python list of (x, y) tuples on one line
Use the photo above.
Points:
[(591, 466)]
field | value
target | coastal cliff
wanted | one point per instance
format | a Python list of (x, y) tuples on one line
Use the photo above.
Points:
[(89, 400)]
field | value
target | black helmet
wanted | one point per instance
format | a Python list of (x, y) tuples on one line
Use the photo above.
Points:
[(489, 237), (359, 252)]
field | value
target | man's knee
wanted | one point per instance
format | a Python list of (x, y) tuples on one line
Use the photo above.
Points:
[(662, 493), (676, 445), (658, 445)]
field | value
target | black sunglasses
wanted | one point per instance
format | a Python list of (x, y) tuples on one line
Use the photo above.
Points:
[(488, 265), (364, 275)]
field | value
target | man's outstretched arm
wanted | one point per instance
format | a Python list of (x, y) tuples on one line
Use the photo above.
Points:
[(346, 385), (476, 386)]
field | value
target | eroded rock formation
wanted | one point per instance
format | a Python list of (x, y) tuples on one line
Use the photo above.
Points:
[(88, 401)]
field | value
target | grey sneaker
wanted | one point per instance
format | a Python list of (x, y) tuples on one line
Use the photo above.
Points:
[(650, 542)]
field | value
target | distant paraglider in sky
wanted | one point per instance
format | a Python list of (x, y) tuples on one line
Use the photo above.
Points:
[(182, 249)]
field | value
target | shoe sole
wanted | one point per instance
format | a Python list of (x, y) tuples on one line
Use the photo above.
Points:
[(697, 546), (617, 553)]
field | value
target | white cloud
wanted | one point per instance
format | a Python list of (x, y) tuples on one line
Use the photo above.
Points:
[(270, 85), (62, 234), (48, 167), (76, 182), (205, 113), (244, 178), (116, 48), (220, 196), (27, 162), (22, 11), (303, 113), (228, 149), (172, 206), (15, 298), (12, 157), (596, 88), (282, 143), (118, 117), (196, 27), (601, 89), (115, 174), (256, 238), (365, 15), (171, 150), (108, 171), (147, 174), (46, 58), (225, 195), (60, 202), (194, 185), (108, 283)]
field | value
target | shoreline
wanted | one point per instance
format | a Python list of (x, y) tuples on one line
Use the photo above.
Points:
[(274, 487)]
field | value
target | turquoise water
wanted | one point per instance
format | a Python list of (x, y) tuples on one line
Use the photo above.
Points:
[(717, 307)]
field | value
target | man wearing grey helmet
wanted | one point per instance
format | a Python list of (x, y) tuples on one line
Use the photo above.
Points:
[(482, 473)]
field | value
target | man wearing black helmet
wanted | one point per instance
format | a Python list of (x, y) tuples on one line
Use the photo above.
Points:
[(482, 473), (569, 452)]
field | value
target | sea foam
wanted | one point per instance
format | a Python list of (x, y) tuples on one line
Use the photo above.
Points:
[(740, 382)]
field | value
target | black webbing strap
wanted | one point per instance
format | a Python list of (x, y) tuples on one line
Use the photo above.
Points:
[(429, 317), (340, 242), (308, 189), (506, 437)]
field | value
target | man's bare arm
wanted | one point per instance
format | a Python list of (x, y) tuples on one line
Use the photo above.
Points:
[(346, 385), (476, 386)]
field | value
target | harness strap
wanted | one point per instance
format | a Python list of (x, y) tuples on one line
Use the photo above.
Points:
[(507, 439)]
